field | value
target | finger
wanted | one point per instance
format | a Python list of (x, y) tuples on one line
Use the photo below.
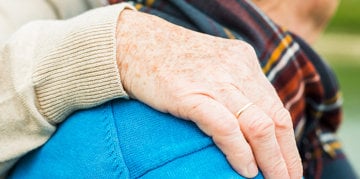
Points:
[(271, 104), (286, 138), (263, 94), (215, 120), (259, 130)]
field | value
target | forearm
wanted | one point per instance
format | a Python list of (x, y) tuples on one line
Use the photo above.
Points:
[(48, 70)]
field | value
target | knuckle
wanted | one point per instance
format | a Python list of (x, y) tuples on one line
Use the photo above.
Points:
[(278, 169), (245, 47), (261, 127), (227, 128), (244, 155), (192, 108), (248, 48), (235, 152), (295, 167), (228, 141), (282, 120)]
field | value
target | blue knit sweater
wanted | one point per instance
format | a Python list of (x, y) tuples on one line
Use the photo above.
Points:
[(126, 139)]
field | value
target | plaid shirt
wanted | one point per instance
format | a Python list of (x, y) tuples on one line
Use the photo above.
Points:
[(304, 82)]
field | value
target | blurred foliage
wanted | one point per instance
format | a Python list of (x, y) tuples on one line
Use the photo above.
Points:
[(347, 18)]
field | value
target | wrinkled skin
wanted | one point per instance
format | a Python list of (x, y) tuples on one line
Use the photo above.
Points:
[(207, 79)]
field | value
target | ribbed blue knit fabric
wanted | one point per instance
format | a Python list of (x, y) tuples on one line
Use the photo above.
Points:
[(125, 139)]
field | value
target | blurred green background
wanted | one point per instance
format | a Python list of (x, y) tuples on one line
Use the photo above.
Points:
[(346, 18), (340, 46)]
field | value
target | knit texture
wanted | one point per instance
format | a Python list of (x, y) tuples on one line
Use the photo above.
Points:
[(48, 70), (131, 140), (80, 70)]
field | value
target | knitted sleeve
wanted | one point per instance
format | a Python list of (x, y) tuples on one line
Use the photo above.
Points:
[(48, 69)]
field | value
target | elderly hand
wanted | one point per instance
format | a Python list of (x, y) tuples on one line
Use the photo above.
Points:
[(207, 80)]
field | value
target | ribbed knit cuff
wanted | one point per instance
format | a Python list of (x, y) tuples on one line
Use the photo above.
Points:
[(80, 70)]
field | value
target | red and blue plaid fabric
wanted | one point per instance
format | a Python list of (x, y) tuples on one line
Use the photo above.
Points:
[(304, 82)]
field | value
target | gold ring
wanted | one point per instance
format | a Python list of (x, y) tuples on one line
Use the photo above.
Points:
[(241, 110)]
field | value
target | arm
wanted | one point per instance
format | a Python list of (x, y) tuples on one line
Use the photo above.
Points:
[(42, 64), (164, 60)]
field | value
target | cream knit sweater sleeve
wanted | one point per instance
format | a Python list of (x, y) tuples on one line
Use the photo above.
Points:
[(48, 69)]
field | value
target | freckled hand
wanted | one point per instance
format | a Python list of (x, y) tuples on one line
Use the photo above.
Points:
[(208, 80)]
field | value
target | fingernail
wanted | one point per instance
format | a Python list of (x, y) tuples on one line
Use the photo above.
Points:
[(252, 169)]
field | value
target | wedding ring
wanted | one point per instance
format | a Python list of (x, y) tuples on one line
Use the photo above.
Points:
[(241, 110)]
